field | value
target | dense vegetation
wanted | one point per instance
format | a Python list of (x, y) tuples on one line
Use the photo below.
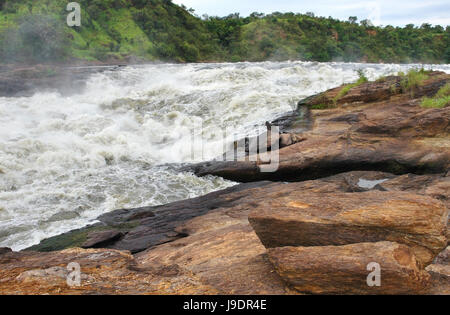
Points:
[(35, 31)]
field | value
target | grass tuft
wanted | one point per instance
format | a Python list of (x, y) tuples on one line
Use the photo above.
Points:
[(412, 80), (344, 91), (440, 100)]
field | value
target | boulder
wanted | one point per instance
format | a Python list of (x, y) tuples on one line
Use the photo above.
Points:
[(322, 219), (102, 239), (346, 269)]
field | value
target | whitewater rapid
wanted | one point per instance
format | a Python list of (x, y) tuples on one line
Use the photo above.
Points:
[(65, 160)]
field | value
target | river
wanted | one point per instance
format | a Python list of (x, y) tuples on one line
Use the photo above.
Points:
[(66, 159)]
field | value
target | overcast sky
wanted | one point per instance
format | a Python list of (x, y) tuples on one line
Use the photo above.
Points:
[(380, 12)]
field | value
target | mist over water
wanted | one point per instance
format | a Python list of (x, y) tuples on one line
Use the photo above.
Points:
[(65, 160)]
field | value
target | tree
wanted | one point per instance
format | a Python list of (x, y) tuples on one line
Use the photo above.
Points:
[(366, 23), (353, 19), (426, 26), (257, 15)]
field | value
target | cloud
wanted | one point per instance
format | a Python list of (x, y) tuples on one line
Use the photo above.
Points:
[(384, 12)]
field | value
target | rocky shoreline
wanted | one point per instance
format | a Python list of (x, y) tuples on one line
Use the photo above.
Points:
[(367, 182), (27, 80)]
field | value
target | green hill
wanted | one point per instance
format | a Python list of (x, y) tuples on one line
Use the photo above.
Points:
[(306, 37), (36, 31)]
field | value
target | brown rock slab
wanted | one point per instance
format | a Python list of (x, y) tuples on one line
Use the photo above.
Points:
[(103, 271), (102, 239), (229, 259), (322, 219), (344, 269), (221, 255)]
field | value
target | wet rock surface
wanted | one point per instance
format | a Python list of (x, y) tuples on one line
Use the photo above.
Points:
[(136, 230)]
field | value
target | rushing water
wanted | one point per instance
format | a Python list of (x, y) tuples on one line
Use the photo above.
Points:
[(64, 160)]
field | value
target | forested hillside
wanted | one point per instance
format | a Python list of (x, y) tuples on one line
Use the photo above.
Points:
[(36, 31), (306, 37)]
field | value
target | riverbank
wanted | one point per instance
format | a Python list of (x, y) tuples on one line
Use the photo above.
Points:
[(369, 180), (25, 80)]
